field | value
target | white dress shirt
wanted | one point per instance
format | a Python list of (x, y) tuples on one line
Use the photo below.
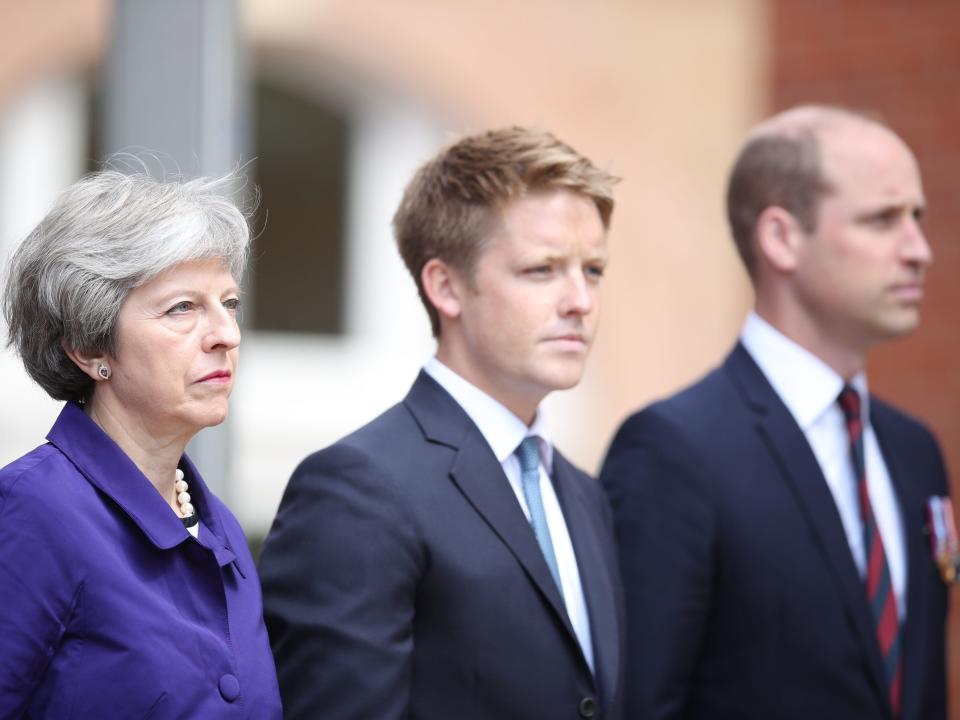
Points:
[(809, 388), (504, 432)]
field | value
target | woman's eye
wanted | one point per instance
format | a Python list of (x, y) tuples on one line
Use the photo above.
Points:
[(181, 307), (232, 304)]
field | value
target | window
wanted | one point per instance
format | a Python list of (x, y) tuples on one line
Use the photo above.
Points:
[(297, 264)]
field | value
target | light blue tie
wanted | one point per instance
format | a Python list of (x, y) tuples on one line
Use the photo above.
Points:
[(529, 457)]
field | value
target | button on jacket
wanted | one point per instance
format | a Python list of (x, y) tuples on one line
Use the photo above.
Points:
[(109, 608)]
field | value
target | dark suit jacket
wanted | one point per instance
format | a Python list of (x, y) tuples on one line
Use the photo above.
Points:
[(743, 599), (402, 579)]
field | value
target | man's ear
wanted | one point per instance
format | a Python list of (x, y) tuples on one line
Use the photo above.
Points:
[(444, 287), (780, 239), (96, 365)]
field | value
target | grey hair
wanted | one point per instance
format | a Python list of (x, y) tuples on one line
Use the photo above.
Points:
[(107, 234)]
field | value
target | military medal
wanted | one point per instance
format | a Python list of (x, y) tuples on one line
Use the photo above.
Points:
[(944, 544)]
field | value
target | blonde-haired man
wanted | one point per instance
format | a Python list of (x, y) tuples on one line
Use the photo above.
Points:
[(445, 561)]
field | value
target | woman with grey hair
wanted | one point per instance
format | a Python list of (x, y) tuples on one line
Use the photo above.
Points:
[(126, 588)]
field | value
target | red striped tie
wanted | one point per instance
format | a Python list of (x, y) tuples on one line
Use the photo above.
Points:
[(880, 596)]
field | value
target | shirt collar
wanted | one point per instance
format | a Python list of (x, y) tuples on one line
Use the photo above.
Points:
[(806, 384), (502, 430), (107, 467)]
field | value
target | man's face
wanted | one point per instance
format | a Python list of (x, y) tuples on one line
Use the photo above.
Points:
[(860, 274), (529, 312)]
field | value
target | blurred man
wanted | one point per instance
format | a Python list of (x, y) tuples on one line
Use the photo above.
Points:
[(445, 561), (770, 518)]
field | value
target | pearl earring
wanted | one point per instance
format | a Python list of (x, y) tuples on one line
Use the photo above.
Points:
[(103, 371)]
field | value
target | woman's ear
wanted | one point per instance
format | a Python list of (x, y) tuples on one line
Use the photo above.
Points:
[(96, 365)]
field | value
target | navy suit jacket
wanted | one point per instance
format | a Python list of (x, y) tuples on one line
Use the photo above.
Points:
[(743, 599), (402, 579)]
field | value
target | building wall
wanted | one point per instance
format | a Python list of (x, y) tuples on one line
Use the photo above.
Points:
[(47, 38), (47, 49)]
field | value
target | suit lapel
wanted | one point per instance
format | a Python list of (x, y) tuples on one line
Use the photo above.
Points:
[(910, 506), (595, 576), (798, 465), (479, 476)]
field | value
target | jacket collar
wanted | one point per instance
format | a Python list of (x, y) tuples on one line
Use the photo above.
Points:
[(109, 469), (802, 381), (502, 430)]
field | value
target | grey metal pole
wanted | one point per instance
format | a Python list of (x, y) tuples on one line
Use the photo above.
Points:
[(173, 94)]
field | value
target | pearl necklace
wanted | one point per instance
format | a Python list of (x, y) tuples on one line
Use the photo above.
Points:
[(183, 499)]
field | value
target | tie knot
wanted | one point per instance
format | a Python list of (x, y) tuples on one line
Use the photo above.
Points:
[(850, 403), (529, 454)]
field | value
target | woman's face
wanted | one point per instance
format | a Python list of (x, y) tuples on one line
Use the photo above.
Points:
[(177, 339)]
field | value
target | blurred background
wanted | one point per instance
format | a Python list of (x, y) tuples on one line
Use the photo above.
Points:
[(330, 105)]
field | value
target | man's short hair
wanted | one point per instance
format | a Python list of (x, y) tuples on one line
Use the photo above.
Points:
[(780, 165), (450, 207)]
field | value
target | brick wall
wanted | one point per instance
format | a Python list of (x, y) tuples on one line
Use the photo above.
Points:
[(901, 59)]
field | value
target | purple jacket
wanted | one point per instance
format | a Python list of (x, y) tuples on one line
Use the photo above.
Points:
[(109, 608)]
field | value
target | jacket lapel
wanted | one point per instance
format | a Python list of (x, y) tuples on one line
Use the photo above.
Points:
[(108, 468), (910, 503), (596, 579), (799, 467), (479, 476)]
